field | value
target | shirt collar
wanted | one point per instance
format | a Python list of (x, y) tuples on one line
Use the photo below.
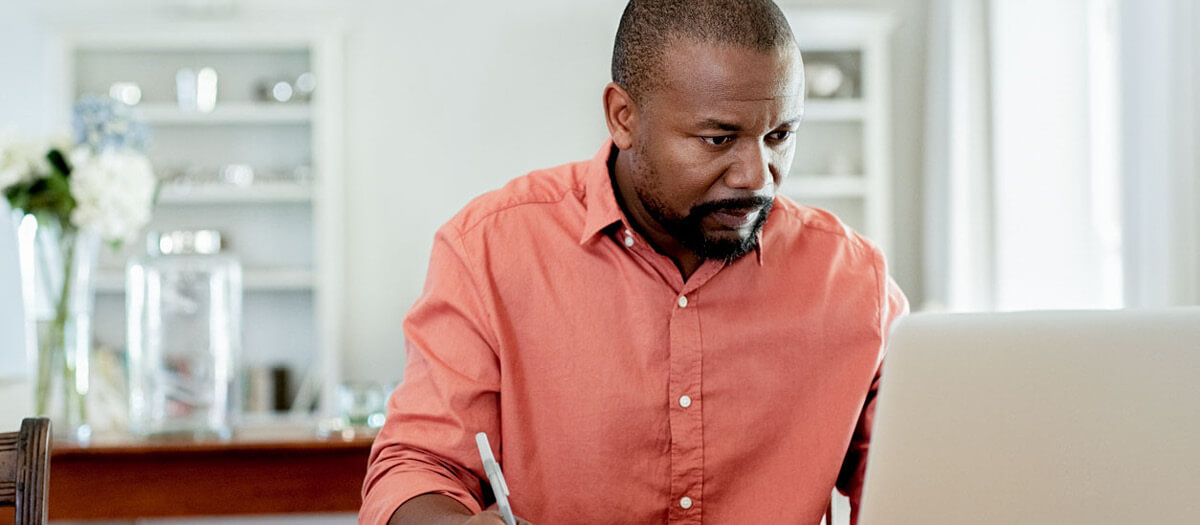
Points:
[(601, 201)]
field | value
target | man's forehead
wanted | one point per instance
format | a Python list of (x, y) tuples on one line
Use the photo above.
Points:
[(730, 72), (729, 113)]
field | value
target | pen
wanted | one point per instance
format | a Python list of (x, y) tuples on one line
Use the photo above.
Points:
[(496, 478)]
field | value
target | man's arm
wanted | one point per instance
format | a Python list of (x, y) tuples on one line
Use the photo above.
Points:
[(850, 480), (450, 392)]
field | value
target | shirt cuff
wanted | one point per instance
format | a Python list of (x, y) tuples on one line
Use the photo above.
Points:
[(392, 491)]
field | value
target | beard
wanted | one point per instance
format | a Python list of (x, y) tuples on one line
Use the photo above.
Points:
[(689, 230)]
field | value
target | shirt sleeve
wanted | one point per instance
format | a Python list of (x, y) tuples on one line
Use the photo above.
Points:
[(850, 480), (450, 392)]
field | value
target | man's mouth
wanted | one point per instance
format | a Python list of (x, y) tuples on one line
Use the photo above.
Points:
[(736, 218)]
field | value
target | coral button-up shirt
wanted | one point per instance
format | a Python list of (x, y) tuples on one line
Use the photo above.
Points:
[(612, 390)]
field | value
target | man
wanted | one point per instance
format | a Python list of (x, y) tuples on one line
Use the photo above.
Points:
[(653, 335)]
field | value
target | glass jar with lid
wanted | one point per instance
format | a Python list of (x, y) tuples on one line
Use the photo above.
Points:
[(184, 316)]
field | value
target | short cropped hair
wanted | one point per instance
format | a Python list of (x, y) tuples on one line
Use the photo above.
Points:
[(649, 26)]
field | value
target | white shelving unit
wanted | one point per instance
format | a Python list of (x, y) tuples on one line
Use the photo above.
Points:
[(264, 193), (254, 280), (843, 152), (287, 232), (234, 113)]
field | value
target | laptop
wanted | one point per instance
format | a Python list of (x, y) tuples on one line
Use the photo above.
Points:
[(1038, 418)]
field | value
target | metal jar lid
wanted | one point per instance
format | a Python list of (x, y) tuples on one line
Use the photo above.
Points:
[(184, 242)]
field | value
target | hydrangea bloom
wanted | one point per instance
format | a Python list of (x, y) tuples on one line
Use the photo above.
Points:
[(98, 180), (101, 123), (20, 160), (113, 192)]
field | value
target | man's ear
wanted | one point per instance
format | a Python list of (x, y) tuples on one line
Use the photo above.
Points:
[(620, 112)]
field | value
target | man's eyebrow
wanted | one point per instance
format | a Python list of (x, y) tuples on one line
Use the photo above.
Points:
[(712, 123), (791, 122)]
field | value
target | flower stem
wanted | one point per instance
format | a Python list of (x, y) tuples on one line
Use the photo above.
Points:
[(45, 369), (72, 403)]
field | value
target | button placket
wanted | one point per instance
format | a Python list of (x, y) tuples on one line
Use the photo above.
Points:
[(686, 424)]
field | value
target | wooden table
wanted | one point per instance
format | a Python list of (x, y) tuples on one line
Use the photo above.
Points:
[(142, 479)]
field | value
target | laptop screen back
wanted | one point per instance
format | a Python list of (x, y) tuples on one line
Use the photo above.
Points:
[(1038, 417)]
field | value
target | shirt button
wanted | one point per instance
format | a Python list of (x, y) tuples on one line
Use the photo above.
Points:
[(628, 239), (683, 301), (685, 502), (685, 401)]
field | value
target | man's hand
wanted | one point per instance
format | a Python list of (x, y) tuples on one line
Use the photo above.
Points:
[(491, 517), (437, 509)]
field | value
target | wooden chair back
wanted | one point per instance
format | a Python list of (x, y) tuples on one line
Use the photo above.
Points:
[(25, 470)]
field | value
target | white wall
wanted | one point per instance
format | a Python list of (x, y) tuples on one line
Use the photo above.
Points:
[(448, 99), (444, 103), (19, 103)]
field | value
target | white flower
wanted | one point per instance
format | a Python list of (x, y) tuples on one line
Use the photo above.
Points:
[(21, 160), (61, 141), (113, 192)]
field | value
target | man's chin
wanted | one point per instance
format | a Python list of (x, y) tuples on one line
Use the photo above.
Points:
[(726, 245), (728, 237)]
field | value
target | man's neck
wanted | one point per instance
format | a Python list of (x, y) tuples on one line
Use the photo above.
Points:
[(620, 172)]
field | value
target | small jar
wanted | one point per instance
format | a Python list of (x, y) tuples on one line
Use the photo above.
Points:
[(184, 317)]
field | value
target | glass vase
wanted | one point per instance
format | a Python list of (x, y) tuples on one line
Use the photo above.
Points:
[(184, 315), (57, 264)]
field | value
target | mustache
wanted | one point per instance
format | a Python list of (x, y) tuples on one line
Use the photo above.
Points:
[(745, 203)]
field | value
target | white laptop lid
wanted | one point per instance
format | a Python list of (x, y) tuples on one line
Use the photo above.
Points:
[(1038, 418)]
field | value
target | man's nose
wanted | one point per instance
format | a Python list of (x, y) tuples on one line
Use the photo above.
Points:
[(752, 168)]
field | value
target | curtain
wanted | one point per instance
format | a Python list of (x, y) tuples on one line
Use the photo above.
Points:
[(1160, 84), (1023, 187), (958, 180)]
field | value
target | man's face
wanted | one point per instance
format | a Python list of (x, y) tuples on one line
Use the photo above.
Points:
[(713, 142)]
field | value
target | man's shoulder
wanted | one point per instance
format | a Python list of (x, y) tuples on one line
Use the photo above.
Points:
[(798, 222), (541, 192)]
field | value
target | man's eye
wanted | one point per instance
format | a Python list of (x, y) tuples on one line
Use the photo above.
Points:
[(780, 136), (717, 141)]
